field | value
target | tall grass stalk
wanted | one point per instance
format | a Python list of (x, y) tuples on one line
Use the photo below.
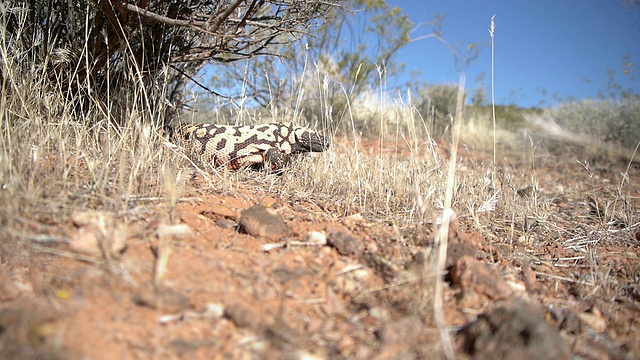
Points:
[(492, 29), (447, 216)]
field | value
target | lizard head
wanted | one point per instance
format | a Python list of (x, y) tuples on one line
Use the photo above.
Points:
[(309, 141)]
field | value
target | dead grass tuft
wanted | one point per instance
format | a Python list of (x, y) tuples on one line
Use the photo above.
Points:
[(57, 158)]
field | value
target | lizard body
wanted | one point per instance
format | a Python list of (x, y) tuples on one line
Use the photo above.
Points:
[(249, 145)]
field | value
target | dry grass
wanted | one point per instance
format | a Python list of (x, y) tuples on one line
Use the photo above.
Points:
[(57, 158), (52, 165)]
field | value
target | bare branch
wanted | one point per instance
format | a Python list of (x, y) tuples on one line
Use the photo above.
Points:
[(162, 19), (143, 38), (226, 14)]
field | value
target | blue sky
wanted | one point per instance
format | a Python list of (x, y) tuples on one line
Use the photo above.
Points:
[(561, 47)]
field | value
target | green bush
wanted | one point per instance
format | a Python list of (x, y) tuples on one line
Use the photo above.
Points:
[(617, 122)]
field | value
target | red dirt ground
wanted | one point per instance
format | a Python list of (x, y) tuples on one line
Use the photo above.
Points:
[(362, 296)]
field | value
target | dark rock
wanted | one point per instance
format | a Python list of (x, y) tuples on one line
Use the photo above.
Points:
[(226, 224), (457, 250), (345, 243), (260, 221), (514, 330)]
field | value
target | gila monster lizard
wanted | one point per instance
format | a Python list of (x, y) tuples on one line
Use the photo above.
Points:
[(250, 145)]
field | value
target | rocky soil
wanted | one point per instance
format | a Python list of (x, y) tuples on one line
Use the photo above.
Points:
[(250, 275)]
